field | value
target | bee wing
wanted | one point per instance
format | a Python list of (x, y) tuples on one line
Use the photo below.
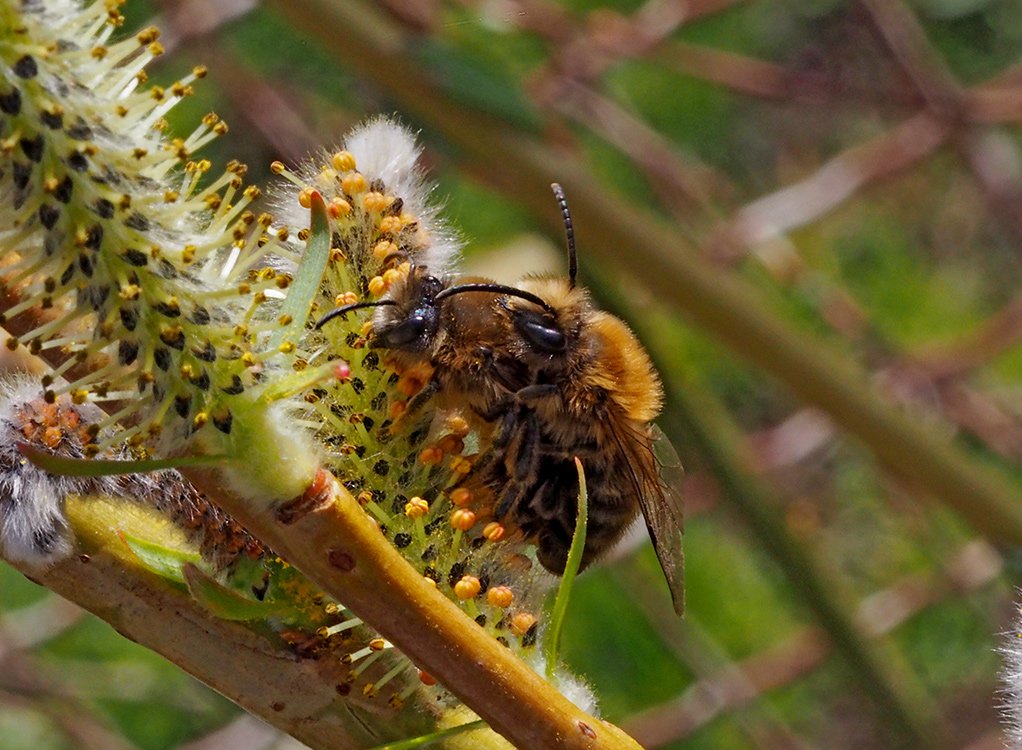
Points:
[(658, 478)]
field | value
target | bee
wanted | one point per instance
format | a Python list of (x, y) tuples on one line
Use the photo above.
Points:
[(551, 378)]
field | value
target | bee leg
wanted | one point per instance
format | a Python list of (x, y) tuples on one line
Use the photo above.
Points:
[(532, 393), (527, 460), (499, 409), (506, 431), (419, 400), (511, 497)]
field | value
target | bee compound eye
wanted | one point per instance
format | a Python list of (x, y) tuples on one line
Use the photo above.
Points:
[(543, 336), (405, 333)]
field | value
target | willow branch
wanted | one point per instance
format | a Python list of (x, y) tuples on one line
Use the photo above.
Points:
[(340, 548), (298, 696)]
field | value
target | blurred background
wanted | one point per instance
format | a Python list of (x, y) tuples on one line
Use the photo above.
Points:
[(811, 213)]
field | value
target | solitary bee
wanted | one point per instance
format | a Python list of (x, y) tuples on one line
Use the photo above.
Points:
[(554, 378)]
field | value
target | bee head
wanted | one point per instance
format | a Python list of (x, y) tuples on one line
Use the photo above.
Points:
[(410, 320)]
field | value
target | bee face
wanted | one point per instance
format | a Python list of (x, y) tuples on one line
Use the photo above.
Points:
[(412, 323)]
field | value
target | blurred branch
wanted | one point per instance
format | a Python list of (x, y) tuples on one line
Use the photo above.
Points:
[(885, 677), (720, 302), (23, 677), (296, 695), (732, 686)]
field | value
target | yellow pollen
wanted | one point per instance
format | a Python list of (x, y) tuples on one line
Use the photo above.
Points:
[(377, 286), (390, 225), (377, 644), (494, 531), (461, 465), (338, 208), (461, 496), (417, 507), (390, 276), (431, 456), (458, 425), (374, 201), (522, 622), (451, 444), (500, 596), (343, 161), (305, 198), (200, 419), (345, 298), (277, 167), (463, 519), (383, 249), (353, 183), (467, 588)]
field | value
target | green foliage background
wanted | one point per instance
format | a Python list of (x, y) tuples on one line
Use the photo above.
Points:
[(786, 556)]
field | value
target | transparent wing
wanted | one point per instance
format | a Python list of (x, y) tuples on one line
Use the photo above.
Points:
[(657, 473)]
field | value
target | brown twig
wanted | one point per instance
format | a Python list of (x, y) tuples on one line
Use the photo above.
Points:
[(336, 544)]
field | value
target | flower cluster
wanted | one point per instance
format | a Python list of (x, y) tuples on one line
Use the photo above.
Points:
[(405, 464), (160, 298)]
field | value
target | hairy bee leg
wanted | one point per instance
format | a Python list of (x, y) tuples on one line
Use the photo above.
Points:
[(419, 400), (527, 462), (506, 431), (511, 497), (537, 392)]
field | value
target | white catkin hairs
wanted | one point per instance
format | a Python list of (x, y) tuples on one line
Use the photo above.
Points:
[(34, 530), (384, 151), (1011, 676)]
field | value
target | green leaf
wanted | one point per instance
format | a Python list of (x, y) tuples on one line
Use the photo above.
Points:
[(100, 467), (306, 282), (165, 562), (222, 601), (578, 545), (426, 740)]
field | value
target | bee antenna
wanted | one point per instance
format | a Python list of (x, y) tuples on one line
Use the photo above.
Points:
[(499, 289), (569, 232), (348, 308)]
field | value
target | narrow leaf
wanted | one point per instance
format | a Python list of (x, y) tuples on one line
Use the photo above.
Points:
[(432, 738), (305, 284), (222, 601), (578, 544), (101, 467), (165, 562)]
